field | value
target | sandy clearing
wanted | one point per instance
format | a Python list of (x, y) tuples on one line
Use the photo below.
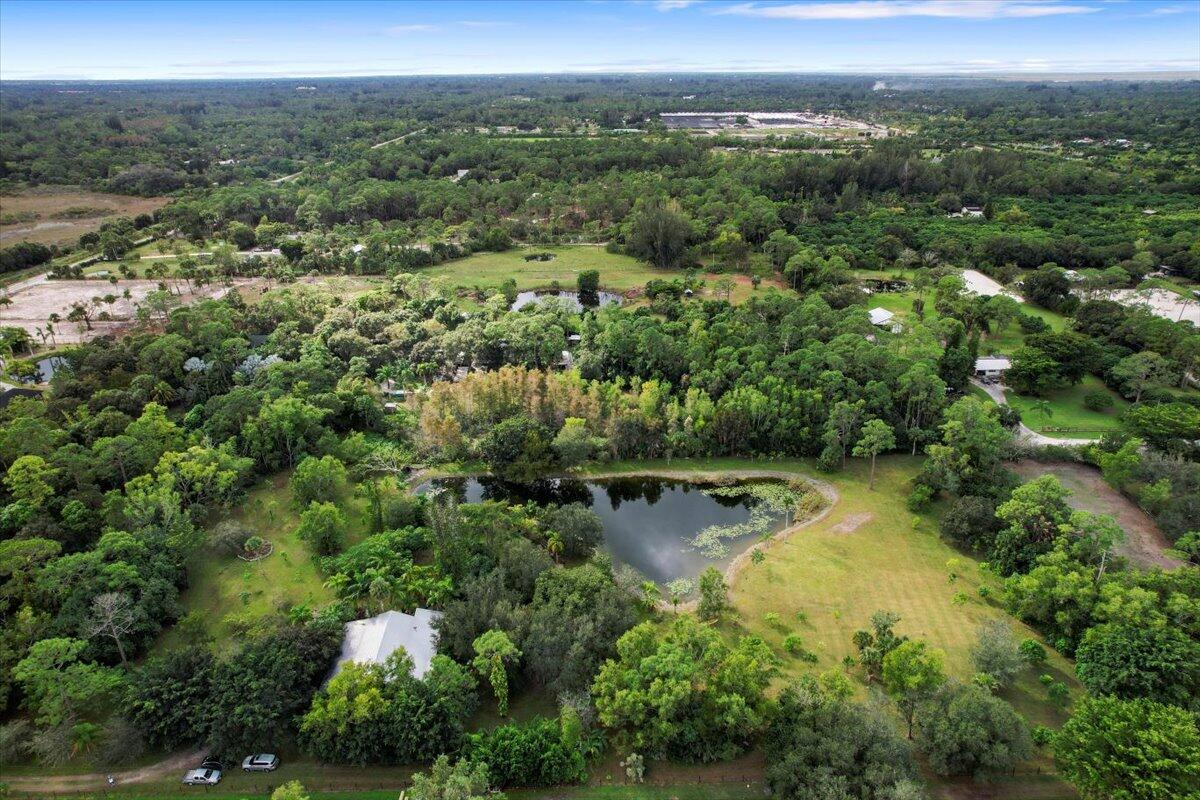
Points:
[(1161, 303), (36, 299), (852, 522), (1144, 544), (980, 284)]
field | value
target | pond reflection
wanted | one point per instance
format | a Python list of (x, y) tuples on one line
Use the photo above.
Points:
[(648, 522)]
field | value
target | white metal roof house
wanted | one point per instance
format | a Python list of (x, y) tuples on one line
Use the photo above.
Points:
[(991, 366), (881, 316), (372, 640)]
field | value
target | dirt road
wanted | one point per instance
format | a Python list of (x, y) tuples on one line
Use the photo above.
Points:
[(1144, 543), (174, 765)]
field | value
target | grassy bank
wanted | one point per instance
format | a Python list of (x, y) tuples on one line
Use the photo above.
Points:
[(1069, 417)]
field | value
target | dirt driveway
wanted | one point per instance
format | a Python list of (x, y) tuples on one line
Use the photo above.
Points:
[(174, 765), (1144, 543)]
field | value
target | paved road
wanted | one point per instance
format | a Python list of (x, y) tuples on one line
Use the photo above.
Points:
[(1024, 432)]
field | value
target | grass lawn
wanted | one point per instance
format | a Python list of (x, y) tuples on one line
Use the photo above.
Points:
[(1069, 417), (868, 554), (488, 270), (1005, 341), (225, 592)]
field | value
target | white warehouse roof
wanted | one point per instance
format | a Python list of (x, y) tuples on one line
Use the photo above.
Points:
[(372, 640)]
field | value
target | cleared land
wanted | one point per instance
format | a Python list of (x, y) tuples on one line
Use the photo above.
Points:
[(1162, 302), (33, 303), (61, 214), (485, 272), (1144, 544), (982, 285), (1069, 417), (226, 594)]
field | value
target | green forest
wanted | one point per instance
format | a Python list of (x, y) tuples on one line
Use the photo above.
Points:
[(217, 449)]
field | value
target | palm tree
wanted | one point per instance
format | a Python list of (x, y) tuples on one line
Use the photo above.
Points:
[(650, 592), (554, 546), (162, 393), (380, 591), (1043, 407)]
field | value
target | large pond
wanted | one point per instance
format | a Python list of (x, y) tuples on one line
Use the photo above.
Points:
[(570, 298), (649, 523)]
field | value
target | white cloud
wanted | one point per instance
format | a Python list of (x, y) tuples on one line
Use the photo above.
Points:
[(888, 9), (404, 30), (1176, 9), (674, 5)]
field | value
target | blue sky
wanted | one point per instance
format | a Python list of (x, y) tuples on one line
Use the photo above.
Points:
[(129, 40)]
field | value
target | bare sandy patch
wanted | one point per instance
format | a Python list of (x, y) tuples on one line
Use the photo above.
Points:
[(1161, 303), (36, 300), (852, 522)]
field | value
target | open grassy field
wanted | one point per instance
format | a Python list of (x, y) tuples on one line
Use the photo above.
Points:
[(61, 214), (870, 553), (1069, 417), (1001, 341), (486, 271), (225, 592)]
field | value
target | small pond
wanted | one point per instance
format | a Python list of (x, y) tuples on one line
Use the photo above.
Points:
[(648, 522), (571, 298), (48, 366)]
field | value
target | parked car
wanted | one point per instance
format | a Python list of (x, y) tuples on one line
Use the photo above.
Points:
[(202, 777), (261, 762), (212, 762)]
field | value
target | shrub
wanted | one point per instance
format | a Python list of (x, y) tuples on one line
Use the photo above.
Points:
[(1031, 323), (1098, 401), (323, 528), (229, 537), (997, 654), (318, 480), (530, 754), (1033, 652), (793, 643)]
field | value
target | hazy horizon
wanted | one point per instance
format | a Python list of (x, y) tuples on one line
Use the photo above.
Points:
[(1023, 39)]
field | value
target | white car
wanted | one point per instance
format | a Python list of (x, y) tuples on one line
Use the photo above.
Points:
[(261, 762), (202, 777)]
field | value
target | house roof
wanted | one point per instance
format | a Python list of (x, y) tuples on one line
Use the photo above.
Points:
[(372, 640), (880, 316), (992, 364)]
